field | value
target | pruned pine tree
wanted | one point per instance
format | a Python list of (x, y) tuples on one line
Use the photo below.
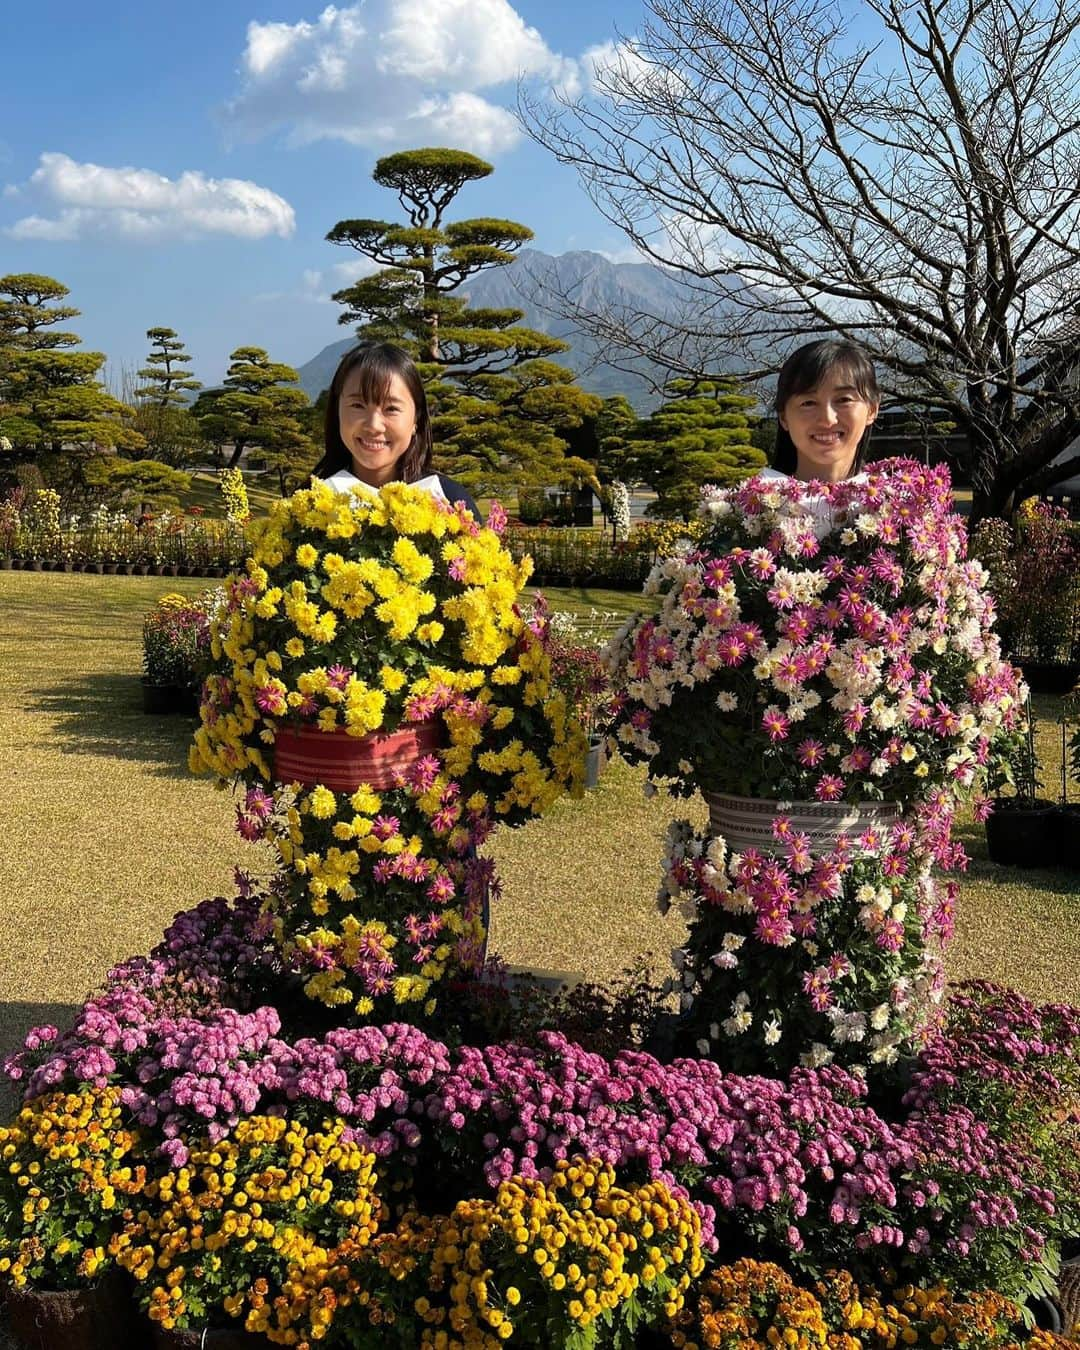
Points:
[(499, 403), (260, 406), (54, 410), (700, 434)]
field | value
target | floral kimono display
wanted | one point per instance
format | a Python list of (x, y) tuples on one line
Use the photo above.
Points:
[(824, 669)]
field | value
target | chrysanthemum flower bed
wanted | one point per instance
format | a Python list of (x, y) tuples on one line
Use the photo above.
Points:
[(961, 1174), (262, 1125)]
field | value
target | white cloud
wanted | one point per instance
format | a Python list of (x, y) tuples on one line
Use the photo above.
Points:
[(141, 204), (394, 73), (317, 288)]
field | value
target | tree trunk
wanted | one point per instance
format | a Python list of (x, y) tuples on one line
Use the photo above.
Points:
[(238, 449)]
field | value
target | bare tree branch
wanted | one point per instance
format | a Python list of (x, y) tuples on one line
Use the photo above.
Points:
[(919, 193)]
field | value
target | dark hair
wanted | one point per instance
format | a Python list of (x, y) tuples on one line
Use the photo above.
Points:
[(805, 369), (378, 364)]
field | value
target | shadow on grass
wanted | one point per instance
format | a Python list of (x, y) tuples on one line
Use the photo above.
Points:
[(102, 715)]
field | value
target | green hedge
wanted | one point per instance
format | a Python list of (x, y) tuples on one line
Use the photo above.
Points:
[(570, 557)]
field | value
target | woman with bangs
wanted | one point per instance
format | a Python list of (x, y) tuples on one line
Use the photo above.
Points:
[(378, 429), (826, 401)]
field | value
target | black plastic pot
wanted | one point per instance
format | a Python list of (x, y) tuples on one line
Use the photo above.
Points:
[(165, 700), (99, 1318), (212, 1338), (1068, 829), (1023, 836), (1050, 677)]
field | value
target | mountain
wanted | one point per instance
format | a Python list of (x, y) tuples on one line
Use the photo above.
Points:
[(595, 283)]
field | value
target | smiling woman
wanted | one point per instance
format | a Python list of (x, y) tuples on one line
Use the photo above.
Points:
[(378, 429), (826, 401)]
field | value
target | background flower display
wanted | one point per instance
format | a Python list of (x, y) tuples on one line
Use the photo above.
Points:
[(176, 638), (1034, 571), (361, 616), (821, 643)]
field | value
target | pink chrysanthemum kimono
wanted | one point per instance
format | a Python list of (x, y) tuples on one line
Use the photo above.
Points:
[(823, 668)]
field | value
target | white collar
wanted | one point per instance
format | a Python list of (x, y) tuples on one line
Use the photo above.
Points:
[(346, 481)]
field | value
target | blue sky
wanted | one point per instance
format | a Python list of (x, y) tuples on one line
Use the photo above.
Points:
[(180, 165)]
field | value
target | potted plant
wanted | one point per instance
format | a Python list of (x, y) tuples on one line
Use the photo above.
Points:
[(244, 1239), (1034, 578), (70, 1166), (577, 669), (359, 626), (822, 667), (176, 644), (1022, 828)]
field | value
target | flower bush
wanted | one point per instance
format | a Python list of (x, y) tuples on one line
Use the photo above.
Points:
[(825, 643), (620, 510), (364, 615), (260, 1226), (71, 1167), (234, 493), (35, 528), (830, 640), (563, 556), (547, 1263), (1033, 567), (964, 1182), (753, 1303), (793, 958), (176, 638)]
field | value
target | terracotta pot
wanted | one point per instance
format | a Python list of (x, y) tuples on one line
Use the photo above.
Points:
[(99, 1318), (746, 822), (342, 762), (208, 1338)]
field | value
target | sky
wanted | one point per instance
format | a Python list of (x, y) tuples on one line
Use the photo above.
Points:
[(179, 165)]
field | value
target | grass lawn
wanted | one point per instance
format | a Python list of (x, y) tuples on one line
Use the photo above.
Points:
[(106, 834)]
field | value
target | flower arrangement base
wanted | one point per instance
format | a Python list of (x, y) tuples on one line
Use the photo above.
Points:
[(99, 1318), (746, 822), (595, 761), (342, 762), (1023, 836), (208, 1338)]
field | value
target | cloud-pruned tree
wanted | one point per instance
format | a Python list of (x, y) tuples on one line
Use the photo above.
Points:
[(54, 410), (700, 434), (260, 408), (499, 403)]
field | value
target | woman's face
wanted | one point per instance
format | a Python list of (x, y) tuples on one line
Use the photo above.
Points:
[(376, 434), (826, 424)]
